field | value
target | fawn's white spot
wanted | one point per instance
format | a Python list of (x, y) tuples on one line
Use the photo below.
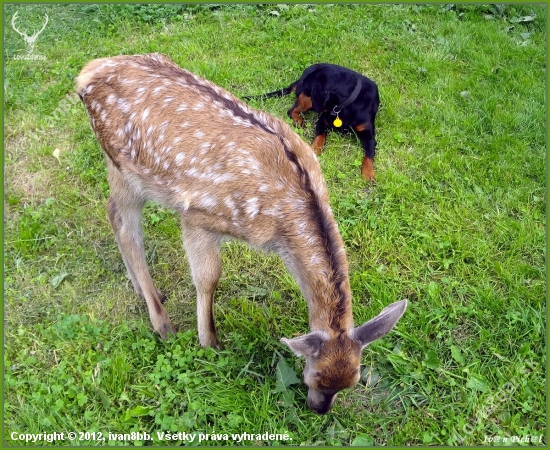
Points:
[(224, 112), (315, 260), (208, 202), (198, 134), (185, 200), (145, 113), (252, 208), (240, 121), (123, 105), (274, 212), (193, 172), (222, 178), (254, 164), (128, 81), (229, 203), (179, 158)]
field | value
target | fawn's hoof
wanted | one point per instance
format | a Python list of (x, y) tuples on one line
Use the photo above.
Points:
[(166, 330)]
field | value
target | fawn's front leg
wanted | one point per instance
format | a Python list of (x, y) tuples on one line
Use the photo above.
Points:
[(203, 252)]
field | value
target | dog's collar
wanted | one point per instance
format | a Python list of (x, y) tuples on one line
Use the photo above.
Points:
[(350, 99)]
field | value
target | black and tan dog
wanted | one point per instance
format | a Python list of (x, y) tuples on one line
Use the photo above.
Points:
[(345, 100)]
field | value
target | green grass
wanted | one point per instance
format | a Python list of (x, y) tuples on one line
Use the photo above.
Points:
[(455, 223)]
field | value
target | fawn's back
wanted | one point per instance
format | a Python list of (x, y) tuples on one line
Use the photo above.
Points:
[(190, 145)]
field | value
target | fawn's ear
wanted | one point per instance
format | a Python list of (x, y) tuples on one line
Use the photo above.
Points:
[(381, 324), (306, 345)]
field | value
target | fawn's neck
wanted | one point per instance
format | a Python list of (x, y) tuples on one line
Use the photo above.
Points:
[(321, 270)]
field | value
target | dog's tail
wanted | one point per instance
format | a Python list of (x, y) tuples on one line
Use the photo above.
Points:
[(278, 93)]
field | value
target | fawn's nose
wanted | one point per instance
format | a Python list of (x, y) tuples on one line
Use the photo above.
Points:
[(320, 403)]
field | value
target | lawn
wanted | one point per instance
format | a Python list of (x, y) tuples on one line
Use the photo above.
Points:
[(456, 223)]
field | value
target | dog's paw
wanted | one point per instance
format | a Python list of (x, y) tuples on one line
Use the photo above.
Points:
[(367, 170), (318, 143), (368, 176)]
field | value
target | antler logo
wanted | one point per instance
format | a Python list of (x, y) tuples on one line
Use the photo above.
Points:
[(30, 41)]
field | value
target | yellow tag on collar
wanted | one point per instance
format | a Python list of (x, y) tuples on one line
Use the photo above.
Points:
[(337, 122)]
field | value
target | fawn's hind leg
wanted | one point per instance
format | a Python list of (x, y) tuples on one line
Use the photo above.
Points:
[(203, 252), (124, 211)]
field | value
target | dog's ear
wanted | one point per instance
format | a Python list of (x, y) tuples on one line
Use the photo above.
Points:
[(319, 98)]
